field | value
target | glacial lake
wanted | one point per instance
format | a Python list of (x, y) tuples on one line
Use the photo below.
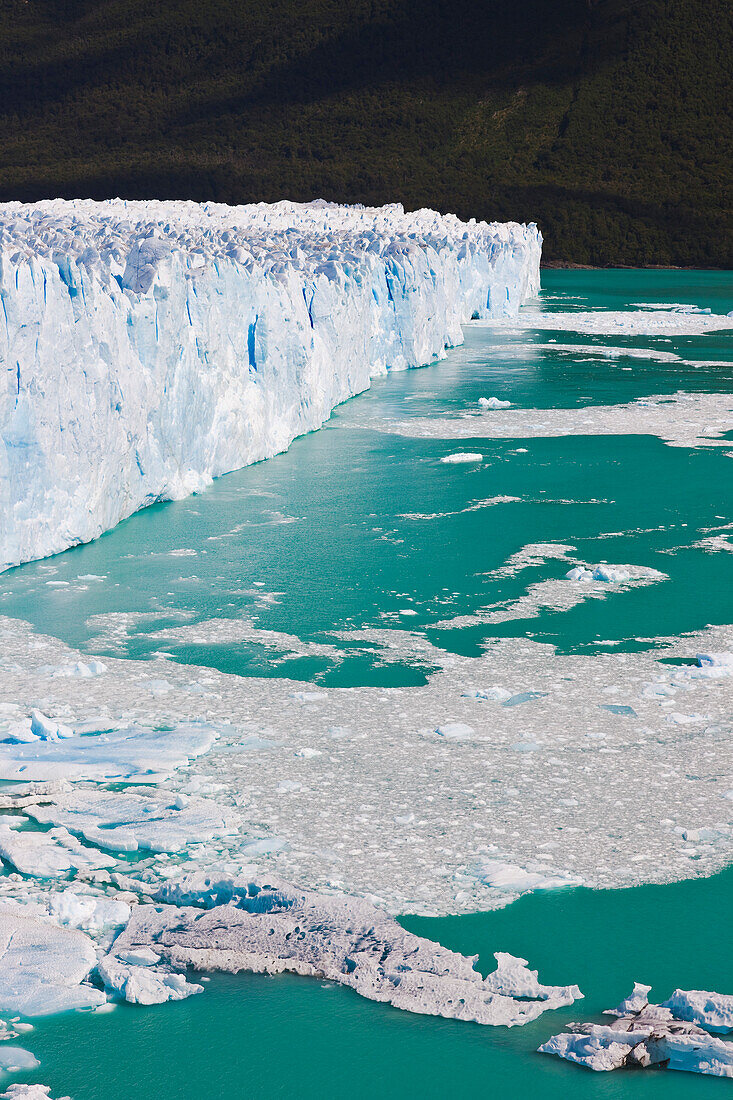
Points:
[(362, 526)]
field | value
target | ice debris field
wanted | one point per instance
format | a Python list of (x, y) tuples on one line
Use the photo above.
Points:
[(463, 794), (149, 347)]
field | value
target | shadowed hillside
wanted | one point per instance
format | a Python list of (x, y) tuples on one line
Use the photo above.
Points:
[(607, 122)]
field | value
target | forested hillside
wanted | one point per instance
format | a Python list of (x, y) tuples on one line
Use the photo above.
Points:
[(606, 121)]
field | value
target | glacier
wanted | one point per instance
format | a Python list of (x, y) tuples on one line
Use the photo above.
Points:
[(150, 346)]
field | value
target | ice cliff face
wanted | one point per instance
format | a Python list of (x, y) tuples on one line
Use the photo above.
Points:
[(148, 347)]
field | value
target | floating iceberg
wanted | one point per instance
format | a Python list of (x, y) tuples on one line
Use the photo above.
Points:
[(462, 457), (139, 753), (152, 346), (647, 1035), (493, 403), (126, 821)]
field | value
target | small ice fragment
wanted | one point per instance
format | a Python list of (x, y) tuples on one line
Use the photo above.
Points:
[(579, 573), (523, 697), (498, 694), (455, 731), (493, 403), (462, 456)]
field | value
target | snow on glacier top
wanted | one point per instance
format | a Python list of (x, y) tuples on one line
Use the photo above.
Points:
[(121, 235)]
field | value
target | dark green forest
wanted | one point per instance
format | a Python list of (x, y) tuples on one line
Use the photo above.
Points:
[(608, 122)]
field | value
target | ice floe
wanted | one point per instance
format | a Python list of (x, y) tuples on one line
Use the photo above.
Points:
[(15, 1059), (639, 322), (43, 967), (125, 821), (556, 595), (137, 753), (143, 984), (267, 926), (48, 854), (679, 420)]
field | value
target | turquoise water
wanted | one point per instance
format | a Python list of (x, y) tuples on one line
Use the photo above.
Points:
[(326, 529), (255, 1036)]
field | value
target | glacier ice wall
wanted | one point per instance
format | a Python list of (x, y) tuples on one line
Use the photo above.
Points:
[(148, 347)]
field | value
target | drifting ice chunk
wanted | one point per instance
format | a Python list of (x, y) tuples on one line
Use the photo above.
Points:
[(137, 753), (17, 732), (498, 694), (465, 456), (516, 880), (455, 731), (142, 985), (523, 697), (267, 926), (721, 662), (128, 820), (14, 1059), (653, 1035), (579, 573), (610, 574), (493, 403), (83, 669), (655, 1044), (42, 967)]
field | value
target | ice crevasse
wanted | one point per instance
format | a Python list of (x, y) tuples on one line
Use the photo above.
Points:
[(148, 347)]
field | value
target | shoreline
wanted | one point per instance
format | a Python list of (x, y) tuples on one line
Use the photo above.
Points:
[(569, 265)]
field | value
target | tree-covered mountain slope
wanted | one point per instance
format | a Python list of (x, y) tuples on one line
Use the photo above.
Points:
[(606, 121)]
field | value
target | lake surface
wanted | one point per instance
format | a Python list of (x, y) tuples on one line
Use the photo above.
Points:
[(352, 528)]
